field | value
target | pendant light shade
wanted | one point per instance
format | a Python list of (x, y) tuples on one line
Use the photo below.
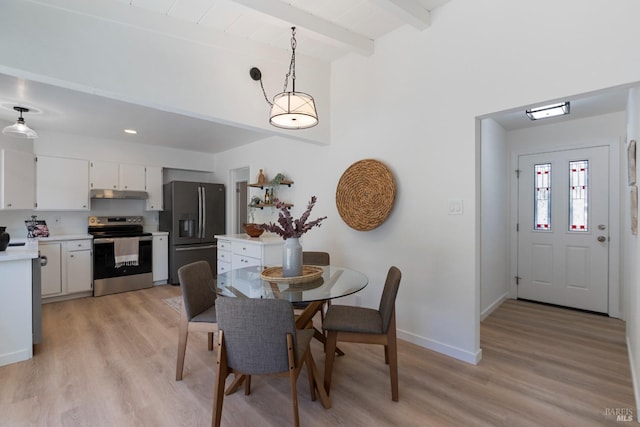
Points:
[(293, 110), (289, 110), (19, 129)]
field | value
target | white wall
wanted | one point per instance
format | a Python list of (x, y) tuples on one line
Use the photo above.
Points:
[(198, 75), (413, 104), (494, 214), (630, 262)]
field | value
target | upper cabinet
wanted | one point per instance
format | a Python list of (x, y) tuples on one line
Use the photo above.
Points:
[(117, 176), (153, 177), (62, 183), (17, 180)]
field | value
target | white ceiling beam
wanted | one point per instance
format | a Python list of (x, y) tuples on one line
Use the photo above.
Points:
[(311, 22), (410, 11)]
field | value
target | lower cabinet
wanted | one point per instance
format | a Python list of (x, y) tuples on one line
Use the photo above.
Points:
[(160, 257), (68, 272), (239, 251)]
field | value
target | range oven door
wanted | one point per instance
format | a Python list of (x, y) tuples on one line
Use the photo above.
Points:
[(108, 279)]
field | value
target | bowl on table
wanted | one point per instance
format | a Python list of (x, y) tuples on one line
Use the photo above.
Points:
[(252, 230)]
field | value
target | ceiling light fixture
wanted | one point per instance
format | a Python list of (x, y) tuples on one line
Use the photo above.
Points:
[(19, 129), (131, 131), (547, 111), (289, 110)]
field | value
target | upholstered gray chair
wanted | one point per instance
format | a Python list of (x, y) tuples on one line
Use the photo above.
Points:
[(198, 307), (366, 325), (258, 337), (313, 258)]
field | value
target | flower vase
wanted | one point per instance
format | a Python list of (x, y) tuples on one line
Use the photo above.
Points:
[(291, 258)]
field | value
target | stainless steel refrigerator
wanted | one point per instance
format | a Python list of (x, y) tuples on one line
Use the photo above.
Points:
[(193, 213)]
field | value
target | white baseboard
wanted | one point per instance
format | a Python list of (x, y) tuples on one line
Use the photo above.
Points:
[(16, 356), (457, 353), (487, 311), (634, 379)]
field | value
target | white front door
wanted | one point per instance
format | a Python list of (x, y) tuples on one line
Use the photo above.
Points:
[(563, 228)]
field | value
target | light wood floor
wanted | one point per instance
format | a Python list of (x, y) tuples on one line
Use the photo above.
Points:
[(110, 361)]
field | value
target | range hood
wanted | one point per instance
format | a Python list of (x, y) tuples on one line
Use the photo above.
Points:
[(119, 194)]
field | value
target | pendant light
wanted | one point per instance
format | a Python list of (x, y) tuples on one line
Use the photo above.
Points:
[(290, 110), (19, 129)]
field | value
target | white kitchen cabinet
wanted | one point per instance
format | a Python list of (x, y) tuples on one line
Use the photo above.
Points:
[(160, 271), (79, 265), (62, 183), (239, 251), (69, 270), (52, 271), (17, 180), (153, 183), (103, 175), (117, 176), (132, 177)]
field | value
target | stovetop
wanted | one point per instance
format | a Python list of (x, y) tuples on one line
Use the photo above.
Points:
[(116, 226)]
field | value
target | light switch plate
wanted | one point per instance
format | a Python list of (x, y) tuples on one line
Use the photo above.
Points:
[(455, 207)]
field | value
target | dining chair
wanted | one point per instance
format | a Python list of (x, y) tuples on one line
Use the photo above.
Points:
[(259, 337), (368, 326), (313, 258), (198, 307)]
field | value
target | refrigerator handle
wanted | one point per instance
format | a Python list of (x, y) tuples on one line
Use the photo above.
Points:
[(204, 212), (199, 211)]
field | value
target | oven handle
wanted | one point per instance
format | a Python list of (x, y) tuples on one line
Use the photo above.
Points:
[(110, 240), (195, 248)]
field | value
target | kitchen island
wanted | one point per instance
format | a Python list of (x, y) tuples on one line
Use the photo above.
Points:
[(16, 344)]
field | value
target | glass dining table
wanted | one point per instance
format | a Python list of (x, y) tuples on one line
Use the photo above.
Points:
[(334, 282)]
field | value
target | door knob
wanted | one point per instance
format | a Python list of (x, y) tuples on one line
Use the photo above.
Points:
[(602, 239)]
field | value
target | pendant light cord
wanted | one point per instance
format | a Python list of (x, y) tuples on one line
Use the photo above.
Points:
[(292, 65)]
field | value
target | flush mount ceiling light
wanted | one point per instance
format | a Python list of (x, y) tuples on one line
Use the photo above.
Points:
[(19, 129), (289, 110), (547, 111)]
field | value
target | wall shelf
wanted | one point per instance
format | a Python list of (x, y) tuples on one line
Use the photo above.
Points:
[(268, 184)]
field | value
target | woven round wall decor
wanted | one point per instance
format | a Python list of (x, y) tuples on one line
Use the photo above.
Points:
[(365, 194)]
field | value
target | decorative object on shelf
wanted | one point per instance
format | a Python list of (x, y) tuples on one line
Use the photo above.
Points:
[(36, 227), (252, 230), (289, 110), (290, 229), (4, 239), (278, 179), (309, 274), (261, 178), (365, 194), (19, 129), (631, 162), (267, 197)]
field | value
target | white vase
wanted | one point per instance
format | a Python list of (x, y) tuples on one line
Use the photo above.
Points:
[(291, 258)]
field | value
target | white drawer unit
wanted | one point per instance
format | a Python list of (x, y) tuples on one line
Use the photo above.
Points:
[(69, 269), (239, 251)]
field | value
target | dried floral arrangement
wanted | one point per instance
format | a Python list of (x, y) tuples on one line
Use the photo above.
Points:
[(289, 228)]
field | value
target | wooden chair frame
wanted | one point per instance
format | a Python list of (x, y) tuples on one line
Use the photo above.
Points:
[(223, 371)]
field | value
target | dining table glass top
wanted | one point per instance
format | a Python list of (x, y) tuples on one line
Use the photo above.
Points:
[(334, 282)]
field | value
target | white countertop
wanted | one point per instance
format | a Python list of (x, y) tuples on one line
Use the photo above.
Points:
[(65, 238), (16, 253), (30, 248), (265, 239)]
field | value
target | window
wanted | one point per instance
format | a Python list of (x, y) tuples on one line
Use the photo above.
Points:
[(578, 195), (542, 205)]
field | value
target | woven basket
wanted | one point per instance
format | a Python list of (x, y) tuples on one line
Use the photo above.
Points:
[(365, 194)]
